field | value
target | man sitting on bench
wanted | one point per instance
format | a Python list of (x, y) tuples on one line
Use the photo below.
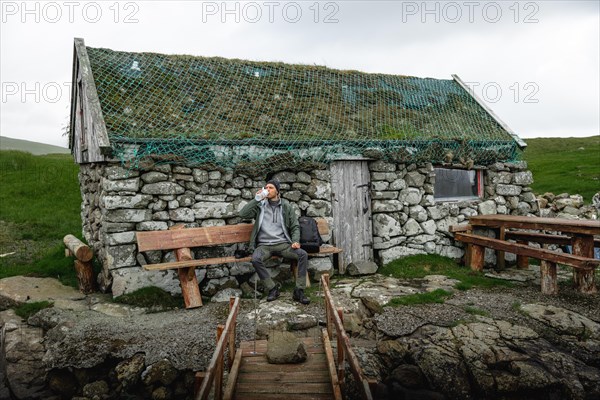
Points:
[(276, 233)]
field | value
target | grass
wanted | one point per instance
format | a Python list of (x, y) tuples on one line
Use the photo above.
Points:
[(562, 165), (151, 297), (421, 265), (39, 204), (436, 296), (26, 310)]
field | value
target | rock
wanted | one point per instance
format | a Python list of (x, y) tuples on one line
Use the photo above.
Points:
[(22, 354), (361, 268), (161, 372), (285, 348), (20, 289), (96, 390), (372, 304), (128, 371), (302, 322), (409, 376), (225, 294)]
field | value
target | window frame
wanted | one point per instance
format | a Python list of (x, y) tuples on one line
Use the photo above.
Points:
[(472, 197)]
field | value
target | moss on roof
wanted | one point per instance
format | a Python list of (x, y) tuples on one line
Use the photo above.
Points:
[(177, 106), (163, 96)]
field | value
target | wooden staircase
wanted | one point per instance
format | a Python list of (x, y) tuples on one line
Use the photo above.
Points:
[(259, 380)]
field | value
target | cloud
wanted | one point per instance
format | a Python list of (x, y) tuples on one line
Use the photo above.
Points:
[(544, 50)]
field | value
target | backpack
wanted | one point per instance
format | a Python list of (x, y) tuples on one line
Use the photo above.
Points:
[(310, 240)]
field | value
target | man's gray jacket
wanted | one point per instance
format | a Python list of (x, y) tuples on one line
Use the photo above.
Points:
[(255, 210)]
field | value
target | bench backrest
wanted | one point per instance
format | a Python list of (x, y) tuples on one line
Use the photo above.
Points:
[(202, 237)]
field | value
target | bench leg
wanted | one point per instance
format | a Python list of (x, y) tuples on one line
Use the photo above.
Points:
[(189, 287), (522, 261), (476, 257), (548, 277), (500, 260), (584, 279)]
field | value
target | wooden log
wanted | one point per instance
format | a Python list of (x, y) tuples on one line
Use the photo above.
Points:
[(477, 257), (584, 280), (81, 250), (500, 260), (548, 277), (85, 276), (187, 276), (522, 261)]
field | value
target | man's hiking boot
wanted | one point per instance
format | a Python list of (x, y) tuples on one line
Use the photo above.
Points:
[(300, 297), (273, 293)]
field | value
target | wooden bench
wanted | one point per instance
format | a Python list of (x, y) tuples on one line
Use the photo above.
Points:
[(182, 240), (477, 244)]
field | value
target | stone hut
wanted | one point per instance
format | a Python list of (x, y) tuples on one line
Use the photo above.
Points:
[(390, 161)]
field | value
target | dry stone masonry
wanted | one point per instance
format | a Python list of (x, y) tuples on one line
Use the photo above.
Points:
[(407, 219)]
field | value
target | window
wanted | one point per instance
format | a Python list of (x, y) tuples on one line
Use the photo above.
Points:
[(457, 184)]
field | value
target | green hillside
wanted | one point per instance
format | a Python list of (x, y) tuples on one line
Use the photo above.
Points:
[(35, 148), (39, 205), (565, 165)]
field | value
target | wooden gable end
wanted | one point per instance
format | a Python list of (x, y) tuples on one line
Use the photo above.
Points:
[(88, 138)]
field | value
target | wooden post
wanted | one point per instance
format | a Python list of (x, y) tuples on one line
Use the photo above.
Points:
[(340, 349), (187, 276), (522, 261), (584, 279), (231, 337), (500, 260), (85, 276), (218, 382), (548, 277), (477, 257), (81, 250)]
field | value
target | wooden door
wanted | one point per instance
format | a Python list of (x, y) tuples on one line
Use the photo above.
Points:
[(351, 203)]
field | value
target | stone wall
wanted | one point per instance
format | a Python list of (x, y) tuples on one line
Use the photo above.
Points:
[(118, 201), (407, 220)]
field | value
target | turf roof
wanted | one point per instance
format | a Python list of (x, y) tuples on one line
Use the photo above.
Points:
[(148, 96)]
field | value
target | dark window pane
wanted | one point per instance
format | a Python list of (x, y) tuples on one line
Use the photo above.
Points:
[(455, 183)]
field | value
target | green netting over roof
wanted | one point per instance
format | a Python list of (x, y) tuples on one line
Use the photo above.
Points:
[(237, 113)]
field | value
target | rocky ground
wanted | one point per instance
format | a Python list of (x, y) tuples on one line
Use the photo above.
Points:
[(502, 343)]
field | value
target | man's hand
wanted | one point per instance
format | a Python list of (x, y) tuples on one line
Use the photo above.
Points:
[(295, 245)]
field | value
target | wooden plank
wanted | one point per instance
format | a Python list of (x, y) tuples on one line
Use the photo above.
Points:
[(283, 388), (206, 236), (193, 237), (288, 396), (516, 248), (351, 205), (92, 103), (222, 260), (543, 238), (233, 376), (585, 227), (460, 228), (335, 384)]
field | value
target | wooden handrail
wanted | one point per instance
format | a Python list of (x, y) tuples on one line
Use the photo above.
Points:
[(344, 348), (214, 372)]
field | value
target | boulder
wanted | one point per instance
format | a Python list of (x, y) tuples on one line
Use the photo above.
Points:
[(285, 348)]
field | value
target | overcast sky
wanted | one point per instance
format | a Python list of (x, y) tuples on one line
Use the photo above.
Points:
[(535, 63)]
